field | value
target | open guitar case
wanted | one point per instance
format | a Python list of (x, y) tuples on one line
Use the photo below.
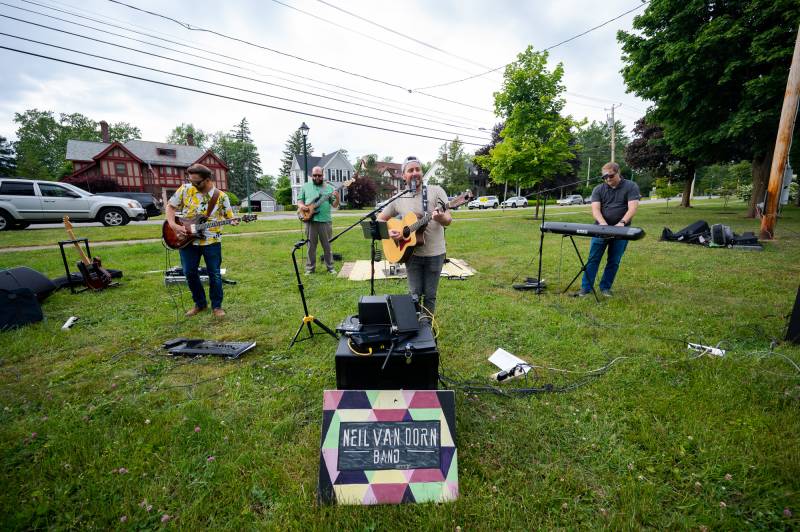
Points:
[(77, 278)]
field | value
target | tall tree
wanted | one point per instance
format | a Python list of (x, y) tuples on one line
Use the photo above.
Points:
[(8, 160), (716, 72), (180, 134), (454, 175), (294, 146), (241, 155), (595, 147), (536, 138)]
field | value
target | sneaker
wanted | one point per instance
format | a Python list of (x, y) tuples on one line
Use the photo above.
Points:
[(194, 311), (607, 293), (332, 271), (218, 313), (581, 293), (309, 272)]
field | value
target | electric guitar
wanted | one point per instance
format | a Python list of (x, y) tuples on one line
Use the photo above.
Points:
[(307, 212), (94, 275), (194, 229), (412, 229)]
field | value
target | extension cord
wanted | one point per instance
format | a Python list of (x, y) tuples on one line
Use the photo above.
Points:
[(513, 373), (706, 349)]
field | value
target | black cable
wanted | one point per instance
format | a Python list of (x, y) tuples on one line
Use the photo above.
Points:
[(232, 98), (234, 87), (213, 53)]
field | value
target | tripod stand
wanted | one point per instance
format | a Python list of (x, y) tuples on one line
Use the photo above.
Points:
[(307, 318), (582, 270)]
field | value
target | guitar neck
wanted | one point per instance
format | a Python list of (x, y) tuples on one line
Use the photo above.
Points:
[(84, 258), (218, 223), (421, 222)]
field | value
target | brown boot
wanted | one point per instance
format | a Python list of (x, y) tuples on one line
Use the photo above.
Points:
[(218, 313), (194, 311)]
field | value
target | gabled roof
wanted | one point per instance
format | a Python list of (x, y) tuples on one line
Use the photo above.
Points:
[(84, 150), (315, 161)]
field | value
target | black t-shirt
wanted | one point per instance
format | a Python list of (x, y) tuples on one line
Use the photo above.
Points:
[(614, 201)]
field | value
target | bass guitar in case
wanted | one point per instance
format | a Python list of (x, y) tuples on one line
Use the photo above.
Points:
[(94, 275), (412, 229), (194, 229), (307, 212)]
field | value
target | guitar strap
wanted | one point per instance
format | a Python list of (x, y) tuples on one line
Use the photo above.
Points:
[(212, 203), (424, 199)]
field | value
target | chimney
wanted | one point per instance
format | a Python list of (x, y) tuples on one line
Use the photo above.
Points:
[(104, 131), (190, 139)]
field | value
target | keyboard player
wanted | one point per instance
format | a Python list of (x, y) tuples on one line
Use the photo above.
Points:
[(614, 202)]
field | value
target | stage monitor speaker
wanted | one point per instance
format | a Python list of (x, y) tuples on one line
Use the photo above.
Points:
[(793, 331), (24, 277), (18, 307)]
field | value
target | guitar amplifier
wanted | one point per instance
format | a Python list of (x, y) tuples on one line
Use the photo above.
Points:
[(413, 365)]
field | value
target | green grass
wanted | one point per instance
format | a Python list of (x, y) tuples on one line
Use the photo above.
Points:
[(647, 444)]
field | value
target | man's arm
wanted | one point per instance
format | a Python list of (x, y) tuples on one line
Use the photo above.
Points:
[(633, 205), (597, 214)]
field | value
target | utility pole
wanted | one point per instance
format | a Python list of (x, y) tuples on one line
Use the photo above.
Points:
[(781, 153), (588, 169), (611, 125)]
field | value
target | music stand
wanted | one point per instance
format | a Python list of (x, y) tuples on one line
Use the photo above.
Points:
[(307, 318), (374, 230)]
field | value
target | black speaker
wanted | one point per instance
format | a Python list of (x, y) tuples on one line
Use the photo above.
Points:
[(721, 235), (24, 277), (793, 331), (18, 307)]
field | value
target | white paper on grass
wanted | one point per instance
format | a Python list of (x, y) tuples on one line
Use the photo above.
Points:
[(506, 361)]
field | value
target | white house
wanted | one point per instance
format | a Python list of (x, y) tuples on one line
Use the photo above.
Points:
[(262, 202), (336, 167)]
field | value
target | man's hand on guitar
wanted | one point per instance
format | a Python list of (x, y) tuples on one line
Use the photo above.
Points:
[(178, 228), (395, 234), (439, 216), (235, 221)]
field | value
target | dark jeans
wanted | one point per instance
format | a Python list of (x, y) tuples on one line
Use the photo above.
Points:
[(616, 248), (423, 278), (190, 259)]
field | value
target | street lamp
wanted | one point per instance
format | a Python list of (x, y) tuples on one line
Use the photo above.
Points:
[(304, 130)]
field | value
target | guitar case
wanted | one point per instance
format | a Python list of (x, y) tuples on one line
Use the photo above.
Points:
[(77, 278), (18, 307)]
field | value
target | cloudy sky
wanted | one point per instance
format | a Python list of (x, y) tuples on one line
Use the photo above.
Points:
[(357, 61)]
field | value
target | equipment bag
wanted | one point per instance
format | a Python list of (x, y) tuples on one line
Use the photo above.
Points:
[(18, 307)]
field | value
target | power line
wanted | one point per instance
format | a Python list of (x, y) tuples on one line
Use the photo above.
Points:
[(416, 109), (204, 67), (239, 88), (423, 43), (292, 56), (232, 98), (545, 49)]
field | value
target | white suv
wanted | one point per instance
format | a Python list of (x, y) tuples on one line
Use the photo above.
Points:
[(516, 201), (484, 202), (27, 201)]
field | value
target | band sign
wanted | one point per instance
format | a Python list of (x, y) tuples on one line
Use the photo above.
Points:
[(389, 445)]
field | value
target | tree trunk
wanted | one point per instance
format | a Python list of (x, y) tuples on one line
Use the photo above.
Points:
[(762, 163), (687, 186)]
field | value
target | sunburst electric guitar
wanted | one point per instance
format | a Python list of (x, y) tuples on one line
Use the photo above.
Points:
[(194, 229), (306, 212), (412, 229), (94, 275)]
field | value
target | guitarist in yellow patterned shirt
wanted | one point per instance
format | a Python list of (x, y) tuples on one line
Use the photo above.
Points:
[(200, 197)]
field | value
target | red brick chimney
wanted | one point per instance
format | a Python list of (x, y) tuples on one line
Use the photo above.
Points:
[(104, 131), (190, 139)]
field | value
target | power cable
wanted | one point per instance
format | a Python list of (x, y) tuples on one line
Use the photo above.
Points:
[(293, 56), (208, 69), (209, 52), (232, 98), (544, 50)]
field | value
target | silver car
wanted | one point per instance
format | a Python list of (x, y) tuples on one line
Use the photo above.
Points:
[(28, 201), (514, 202)]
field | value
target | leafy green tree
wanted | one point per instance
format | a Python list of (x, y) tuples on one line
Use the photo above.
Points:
[(536, 138), (454, 175), (665, 189), (241, 155), (123, 132), (8, 160), (283, 191), (294, 146), (716, 72), (595, 147), (180, 134), (266, 183)]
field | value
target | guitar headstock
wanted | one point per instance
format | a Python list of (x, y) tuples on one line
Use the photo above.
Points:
[(249, 218), (349, 182), (461, 199), (67, 223)]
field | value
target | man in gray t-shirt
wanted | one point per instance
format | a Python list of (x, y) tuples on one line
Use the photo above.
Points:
[(614, 202)]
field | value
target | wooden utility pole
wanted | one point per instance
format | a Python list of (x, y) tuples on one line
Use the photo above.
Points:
[(612, 125), (781, 153)]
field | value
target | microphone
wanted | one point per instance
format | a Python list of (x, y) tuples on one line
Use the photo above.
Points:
[(413, 186)]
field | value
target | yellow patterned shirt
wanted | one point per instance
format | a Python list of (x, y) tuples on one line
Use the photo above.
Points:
[(190, 202)]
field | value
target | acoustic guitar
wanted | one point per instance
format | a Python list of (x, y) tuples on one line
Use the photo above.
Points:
[(307, 212), (194, 229), (412, 229), (94, 275)]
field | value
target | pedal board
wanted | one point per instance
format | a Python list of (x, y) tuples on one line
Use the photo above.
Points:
[(200, 347)]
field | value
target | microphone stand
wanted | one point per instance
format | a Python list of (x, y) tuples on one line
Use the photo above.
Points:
[(307, 318)]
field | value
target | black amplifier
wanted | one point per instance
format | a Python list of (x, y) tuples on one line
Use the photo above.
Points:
[(413, 364)]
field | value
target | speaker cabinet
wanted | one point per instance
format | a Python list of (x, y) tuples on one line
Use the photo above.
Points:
[(24, 277), (793, 332)]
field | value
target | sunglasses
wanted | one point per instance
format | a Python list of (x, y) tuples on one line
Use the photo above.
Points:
[(316, 175), (608, 176), (198, 182)]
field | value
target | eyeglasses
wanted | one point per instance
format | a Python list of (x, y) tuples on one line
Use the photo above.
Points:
[(198, 182), (609, 176), (316, 175)]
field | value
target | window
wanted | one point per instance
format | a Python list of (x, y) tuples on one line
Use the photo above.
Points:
[(120, 169), (16, 188), (55, 191), (167, 152)]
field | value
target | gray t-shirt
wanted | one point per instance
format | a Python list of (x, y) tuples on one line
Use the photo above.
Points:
[(434, 232), (614, 201)]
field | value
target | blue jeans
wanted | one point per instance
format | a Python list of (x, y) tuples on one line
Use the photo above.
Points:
[(423, 278), (190, 259), (616, 248)]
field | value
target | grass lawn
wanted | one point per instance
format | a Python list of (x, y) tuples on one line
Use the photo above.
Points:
[(98, 429)]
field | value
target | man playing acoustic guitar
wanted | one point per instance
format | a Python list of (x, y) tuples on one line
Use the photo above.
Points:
[(320, 225), (425, 265), (200, 197)]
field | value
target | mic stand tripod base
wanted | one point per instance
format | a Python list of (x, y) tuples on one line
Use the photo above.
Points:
[(307, 321)]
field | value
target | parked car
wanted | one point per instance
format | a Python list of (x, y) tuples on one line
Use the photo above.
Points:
[(484, 202), (572, 199), (150, 203), (514, 202), (27, 201)]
